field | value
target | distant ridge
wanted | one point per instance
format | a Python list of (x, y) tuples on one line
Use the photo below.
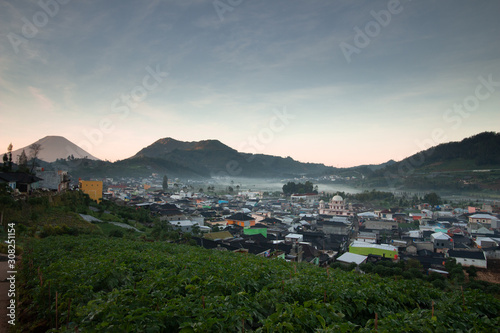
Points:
[(164, 146), (55, 147), (212, 158)]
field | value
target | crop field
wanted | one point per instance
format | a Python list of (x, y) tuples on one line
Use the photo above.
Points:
[(97, 284)]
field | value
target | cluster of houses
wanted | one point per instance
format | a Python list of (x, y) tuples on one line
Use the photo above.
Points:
[(303, 227), (25, 183)]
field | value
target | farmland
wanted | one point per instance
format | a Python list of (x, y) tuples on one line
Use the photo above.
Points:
[(95, 283)]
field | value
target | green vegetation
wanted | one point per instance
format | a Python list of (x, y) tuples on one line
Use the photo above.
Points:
[(112, 284), (47, 215), (291, 188), (413, 269), (433, 199)]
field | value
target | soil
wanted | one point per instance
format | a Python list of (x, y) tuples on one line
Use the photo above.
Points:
[(489, 276)]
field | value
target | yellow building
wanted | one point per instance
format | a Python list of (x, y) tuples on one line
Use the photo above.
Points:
[(93, 188)]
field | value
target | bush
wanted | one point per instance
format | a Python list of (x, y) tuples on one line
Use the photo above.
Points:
[(116, 233), (440, 284), (435, 276), (472, 271), (63, 229), (367, 267)]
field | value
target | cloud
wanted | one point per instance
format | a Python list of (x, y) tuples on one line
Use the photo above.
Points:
[(43, 101)]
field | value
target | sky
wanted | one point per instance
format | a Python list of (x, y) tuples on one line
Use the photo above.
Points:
[(342, 83)]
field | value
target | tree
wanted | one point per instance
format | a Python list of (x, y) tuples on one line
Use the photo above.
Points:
[(22, 161), (165, 183), (9, 150), (35, 149), (5, 166), (291, 188), (432, 199)]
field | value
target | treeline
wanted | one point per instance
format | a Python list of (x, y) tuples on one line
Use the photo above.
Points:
[(482, 149), (300, 188)]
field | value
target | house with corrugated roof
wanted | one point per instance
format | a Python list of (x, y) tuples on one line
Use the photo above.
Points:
[(469, 258), (241, 219), (441, 241), (21, 181)]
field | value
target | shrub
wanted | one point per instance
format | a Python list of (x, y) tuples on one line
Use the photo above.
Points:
[(116, 233)]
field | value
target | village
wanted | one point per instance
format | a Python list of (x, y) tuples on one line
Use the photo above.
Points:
[(371, 238), (305, 228), (298, 227)]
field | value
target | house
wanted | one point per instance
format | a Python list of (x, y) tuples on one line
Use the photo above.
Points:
[(380, 225), (367, 215), (417, 216), (218, 235), (188, 226), (294, 238), (241, 219), (411, 249), (53, 180), (93, 188), (441, 241), (21, 181), (385, 214), (469, 258), (383, 250), (348, 258), (399, 217), (335, 227), (486, 242), (305, 197), (478, 220), (368, 237)]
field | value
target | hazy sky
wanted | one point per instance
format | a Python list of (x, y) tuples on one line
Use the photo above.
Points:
[(337, 82)]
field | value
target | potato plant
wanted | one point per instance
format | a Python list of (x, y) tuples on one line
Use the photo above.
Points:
[(120, 285)]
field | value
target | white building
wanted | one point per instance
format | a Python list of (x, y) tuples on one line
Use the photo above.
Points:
[(294, 238), (335, 207), (469, 258)]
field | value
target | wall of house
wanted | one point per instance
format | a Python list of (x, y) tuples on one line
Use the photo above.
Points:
[(335, 230), (493, 254), (472, 262), (93, 188), (249, 223)]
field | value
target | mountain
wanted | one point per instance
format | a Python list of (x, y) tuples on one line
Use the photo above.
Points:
[(163, 147), (476, 152), (374, 167), (53, 148), (472, 163), (212, 158)]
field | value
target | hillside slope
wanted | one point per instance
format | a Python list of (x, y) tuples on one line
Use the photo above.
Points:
[(471, 164)]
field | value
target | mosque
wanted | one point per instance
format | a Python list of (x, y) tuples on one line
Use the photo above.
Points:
[(336, 207)]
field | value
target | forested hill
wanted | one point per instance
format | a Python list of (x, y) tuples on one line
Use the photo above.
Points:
[(471, 164), (481, 150)]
